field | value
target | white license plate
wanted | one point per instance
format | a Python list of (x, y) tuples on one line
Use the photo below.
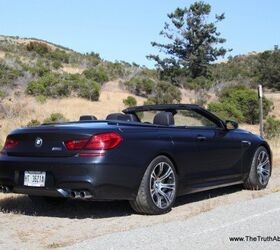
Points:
[(34, 178)]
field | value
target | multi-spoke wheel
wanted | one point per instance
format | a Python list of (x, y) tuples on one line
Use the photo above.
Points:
[(263, 167), (260, 170), (162, 185), (157, 191)]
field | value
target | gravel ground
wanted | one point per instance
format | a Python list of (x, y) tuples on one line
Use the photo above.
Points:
[(255, 223), (28, 226)]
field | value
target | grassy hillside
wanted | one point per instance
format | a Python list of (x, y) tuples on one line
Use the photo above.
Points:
[(38, 78)]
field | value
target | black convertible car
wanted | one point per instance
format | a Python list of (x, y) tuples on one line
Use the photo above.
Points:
[(147, 155)]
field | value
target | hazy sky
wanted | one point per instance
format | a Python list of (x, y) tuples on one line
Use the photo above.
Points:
[(123, 30)]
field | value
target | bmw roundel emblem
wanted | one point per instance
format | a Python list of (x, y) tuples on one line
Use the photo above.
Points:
[(38, 142)]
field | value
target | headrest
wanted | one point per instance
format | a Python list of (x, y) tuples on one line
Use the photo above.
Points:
[(133, 118), (118, 117), (164, 118), (88, 118)]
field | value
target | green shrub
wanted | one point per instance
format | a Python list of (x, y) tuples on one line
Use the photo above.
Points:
[(39, 69), (93, 59), (139, 86), (269, 69), (55, 118), (243, 100), (3, 94), (33, 123), (56, 64), (272, 127), (97, 74), (48, 85), (38, 47), (59, 56), (198, 83), (226, 111), (238, 68), (165, 93), (55, 85), (130, 101), (8, 75), (114, 70), (89, 90)]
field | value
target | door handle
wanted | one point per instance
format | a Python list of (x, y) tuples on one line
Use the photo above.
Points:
[(201, 138)]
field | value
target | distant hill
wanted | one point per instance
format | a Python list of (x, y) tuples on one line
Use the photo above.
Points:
[(25, 59), (42, 68), (39, 78)]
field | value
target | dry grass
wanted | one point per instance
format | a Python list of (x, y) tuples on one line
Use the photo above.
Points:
[(2, 54), (275, 98), (23, 109), (72, 69)]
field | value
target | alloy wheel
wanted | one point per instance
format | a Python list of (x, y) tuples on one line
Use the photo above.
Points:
[(162, 185), (263, 167)]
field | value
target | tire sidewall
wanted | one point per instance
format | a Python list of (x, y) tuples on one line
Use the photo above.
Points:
[(148, 172), (253, 176)]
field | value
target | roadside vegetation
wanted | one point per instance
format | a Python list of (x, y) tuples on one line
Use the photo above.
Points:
[(186, 63), (272, 128), (239, 103)]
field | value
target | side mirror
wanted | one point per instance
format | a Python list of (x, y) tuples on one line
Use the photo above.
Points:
[(230, 125)]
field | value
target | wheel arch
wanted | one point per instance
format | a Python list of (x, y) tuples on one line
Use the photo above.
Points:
[(171, 158)]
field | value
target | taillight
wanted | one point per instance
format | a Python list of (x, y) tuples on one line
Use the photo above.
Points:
[(76, 144), (10, 143), (102, 141)]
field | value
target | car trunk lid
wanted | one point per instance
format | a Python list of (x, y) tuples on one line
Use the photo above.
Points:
[(49, 141)]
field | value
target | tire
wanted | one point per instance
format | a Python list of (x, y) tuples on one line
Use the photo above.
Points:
[(260, 171), (47, 199), (158, 188)]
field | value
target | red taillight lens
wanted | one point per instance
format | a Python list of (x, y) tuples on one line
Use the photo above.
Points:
[(97, 142), (76, 144), (104, 141), (10, 143)]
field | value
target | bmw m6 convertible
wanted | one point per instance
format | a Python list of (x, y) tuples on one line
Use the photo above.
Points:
[(147, 155)]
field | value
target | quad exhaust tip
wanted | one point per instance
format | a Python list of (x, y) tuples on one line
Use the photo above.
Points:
[(5, 189), (80, 195), (83, 194)]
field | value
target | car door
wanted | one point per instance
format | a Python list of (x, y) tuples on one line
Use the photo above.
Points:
[(220, 155), (217, 152)]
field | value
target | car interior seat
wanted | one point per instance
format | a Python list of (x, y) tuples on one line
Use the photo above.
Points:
[(164, 118), (122, 117), (88, 118)]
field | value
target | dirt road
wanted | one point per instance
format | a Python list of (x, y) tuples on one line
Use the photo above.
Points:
[(24, 225)]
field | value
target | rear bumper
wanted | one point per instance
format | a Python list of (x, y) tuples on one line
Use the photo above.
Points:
[(102, 179)]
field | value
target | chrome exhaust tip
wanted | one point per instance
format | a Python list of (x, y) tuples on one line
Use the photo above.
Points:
[(5, 189), (72, 194), (80, 194), (75, 194), (85, 195)]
